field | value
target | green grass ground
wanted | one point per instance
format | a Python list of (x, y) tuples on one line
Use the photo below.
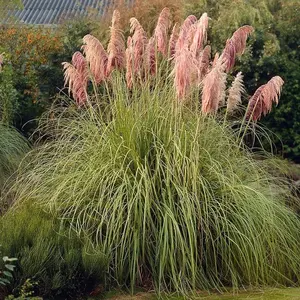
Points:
[(274, 294)]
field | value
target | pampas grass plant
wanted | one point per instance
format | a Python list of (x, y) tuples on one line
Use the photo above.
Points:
[(158, 186), (166, 194)]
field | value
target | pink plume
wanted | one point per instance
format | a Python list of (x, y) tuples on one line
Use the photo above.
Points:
[(139, 40), (199, 34), (129, 62), (236, 45), (161, 31), (235, 93), (185, 64), (173, 40), (79, 62), (185, 71), (261, 102), (216, 59), (185, 32), (240, 37), (116, 46), (96, 56), (76, 77), (70, 75), (204, 61), (213, 92), (150, 56)]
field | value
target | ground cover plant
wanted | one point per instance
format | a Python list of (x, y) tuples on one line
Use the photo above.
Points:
[(148, 167), (50, 263)]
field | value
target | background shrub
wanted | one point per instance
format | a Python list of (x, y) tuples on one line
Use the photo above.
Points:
[(35, 55), (57, 261), (8, 94)]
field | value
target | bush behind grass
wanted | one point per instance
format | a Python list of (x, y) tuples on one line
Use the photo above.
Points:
[(166, 194)]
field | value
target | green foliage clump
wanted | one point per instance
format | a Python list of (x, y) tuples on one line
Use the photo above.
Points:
[(58, 262), (6, 5), (13, 148), (165, 193), (8, 95), (26, 292), (7, 267)]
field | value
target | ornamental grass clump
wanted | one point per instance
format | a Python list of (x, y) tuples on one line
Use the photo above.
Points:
[(166, 194), (13, 148), (145, 171)]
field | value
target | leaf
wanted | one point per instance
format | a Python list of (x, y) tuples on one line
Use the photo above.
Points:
[(12, 259), (8, 259), (10, 267), (8, 274), (5, 280)]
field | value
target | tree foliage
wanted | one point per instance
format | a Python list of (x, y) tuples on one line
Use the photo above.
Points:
[(9, 4)]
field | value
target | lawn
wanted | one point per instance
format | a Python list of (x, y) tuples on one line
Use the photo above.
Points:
[(274, 294)]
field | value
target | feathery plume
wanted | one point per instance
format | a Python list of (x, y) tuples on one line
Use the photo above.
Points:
[(185, 71), (139, 40), (236, 45), (185, 65), (150, 59), (161, 31), (96, 56), (129, 62), (184, 33), (173, 40), (235, 93), (204, 61), (116, 46), (70, 75), (76, 77), (261, 102), (199, 33), (213, 91), (216, 59), (240, 37), (79, 62)]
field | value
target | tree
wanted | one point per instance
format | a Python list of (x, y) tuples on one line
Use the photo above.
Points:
[(9, 4)]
